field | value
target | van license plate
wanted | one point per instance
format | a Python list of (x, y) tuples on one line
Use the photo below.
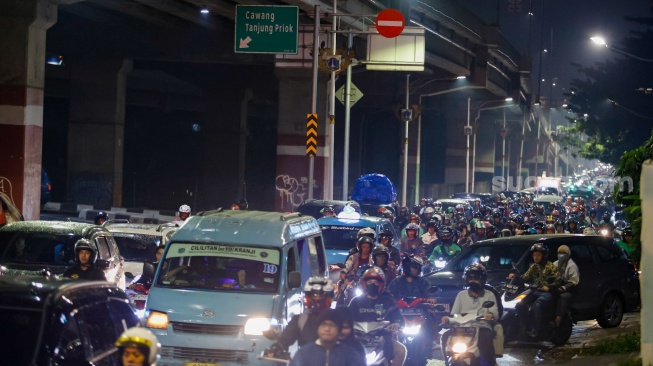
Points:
[(201, 364)]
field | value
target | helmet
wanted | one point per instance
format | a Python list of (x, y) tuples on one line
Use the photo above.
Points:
[(589, 231), (479, 225), (429, 210), (505, 233), (496, 214), (410, 262), (559, 223), (412, 226), (366, 231), (450, 210), (539, 225), (477, 215), (432, 223), (628, 231), (475, 271), (460, 208), (524, 227), (101, 216), (242, 204), (184, 209), (445, 231), (380, 250), (592, 211), (540, 247), (414, 217), (555, 213), (364, 240), (518, 219), (143, 339), (549, 219), (318, 292), (374, 273), (85, 244), (326, 210), (607, 217), (549, 227), (386, 233)]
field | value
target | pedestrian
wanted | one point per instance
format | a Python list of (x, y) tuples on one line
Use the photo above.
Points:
[(85, 256)]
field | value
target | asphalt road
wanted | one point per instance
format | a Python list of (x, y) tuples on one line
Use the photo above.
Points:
[(584, 334)]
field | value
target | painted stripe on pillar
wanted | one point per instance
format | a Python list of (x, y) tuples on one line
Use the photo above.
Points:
[(20, 95), (31, 115)]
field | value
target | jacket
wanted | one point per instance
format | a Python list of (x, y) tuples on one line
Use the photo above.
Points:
[(313, 354)]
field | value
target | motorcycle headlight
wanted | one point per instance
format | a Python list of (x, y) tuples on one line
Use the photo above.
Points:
[(604, 232), (459, 347), (440, 263), (371, 357), (256, 326), (512, 303), (358, 291), (412, 329)]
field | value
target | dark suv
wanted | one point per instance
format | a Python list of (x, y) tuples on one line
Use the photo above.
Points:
[(49, 321), (27, 247), (609, 282)]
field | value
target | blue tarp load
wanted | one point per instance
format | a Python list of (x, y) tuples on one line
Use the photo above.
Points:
[(374, 188)]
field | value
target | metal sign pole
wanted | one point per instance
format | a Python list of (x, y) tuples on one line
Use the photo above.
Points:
[(345, 162), (469, 103), (405, 180), (316, 42)]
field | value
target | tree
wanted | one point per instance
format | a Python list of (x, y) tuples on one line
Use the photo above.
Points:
[(610, 105)]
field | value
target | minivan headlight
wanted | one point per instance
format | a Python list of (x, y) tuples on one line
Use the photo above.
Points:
[(256, 326), (157, 320)]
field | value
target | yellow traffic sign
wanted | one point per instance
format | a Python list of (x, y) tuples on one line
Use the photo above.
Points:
[(311, 134)]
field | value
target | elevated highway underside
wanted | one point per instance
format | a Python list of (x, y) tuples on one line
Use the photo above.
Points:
[(151, 107)]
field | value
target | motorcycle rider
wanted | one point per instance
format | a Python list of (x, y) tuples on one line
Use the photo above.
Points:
[(377, 305), (85, 256), (446, 248), (302, 328), (361, 258), (138, 347), (380, 257), (327, 211), (497, 219), (549, 229), (414, 219), (572, 226), (412, 243), (471, 300), (385, 238), (184, 213), (101, 218), (410, 283), (479, 233), (430, 235), (560, 227), (568, 270), (544, 275), (592, 219)]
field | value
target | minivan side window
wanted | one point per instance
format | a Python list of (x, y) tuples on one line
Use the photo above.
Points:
[(292, 262), (321, 259), (606, 254), (304, 260), (581, 254), (102, 247)]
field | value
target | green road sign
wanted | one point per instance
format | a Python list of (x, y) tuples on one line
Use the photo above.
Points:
[(266, 29)]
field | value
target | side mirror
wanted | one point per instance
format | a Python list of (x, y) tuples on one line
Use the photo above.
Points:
[(294, 279), (488, 304), (148, 270), (102, 264), (271, 334), (129, 275)]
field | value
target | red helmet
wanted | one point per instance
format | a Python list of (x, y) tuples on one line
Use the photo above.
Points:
[(375, 273)]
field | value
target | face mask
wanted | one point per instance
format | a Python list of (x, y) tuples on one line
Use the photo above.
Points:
[(475, 287), (563, 257), (372, 289)]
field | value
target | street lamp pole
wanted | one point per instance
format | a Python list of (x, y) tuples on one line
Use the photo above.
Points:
[(601, 42), (469, 103), (503, 156), (405, 180)]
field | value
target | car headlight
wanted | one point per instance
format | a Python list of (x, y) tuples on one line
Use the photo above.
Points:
[(412, 329), (459, 347), (157, 320), (256, 326), (440, 263)]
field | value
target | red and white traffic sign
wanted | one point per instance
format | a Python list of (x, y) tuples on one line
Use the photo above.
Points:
[(390, 23)]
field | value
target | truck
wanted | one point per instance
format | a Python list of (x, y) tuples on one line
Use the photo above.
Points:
[(548, 186)]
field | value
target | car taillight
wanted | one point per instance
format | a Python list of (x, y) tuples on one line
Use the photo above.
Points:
[(49, 187)]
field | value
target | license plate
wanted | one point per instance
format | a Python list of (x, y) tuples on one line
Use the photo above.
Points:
[(140, 297), (201, 364)]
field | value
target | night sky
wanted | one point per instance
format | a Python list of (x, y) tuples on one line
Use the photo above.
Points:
[(567, 26)]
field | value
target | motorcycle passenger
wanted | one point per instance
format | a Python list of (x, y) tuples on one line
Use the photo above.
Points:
[(568, 270), (385, 238), (430, 235), (544, 275), (412, 243), (184, 213), (363, 257), (471, 301), (138, 347), (445, 249), (101, 218), (479, 233), (462, 239), (380, 257), (327, 349), (85, 256), (377, 305), (302, 328), (347, 332)]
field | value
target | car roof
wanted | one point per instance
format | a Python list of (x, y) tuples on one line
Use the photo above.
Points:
[(364, 221), (528, 239), (134, 228), (246, 227), (54, 227), (547, 198), (452, 200)]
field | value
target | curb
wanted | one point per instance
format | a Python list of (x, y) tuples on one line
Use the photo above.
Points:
[(88, 213)]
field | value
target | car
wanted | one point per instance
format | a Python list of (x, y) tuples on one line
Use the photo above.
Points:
[(453, 202), (46, 188), (312, 207), (138, 242), (28, 247), (340, 235), (486, 198), (549, 202), (609, 282), (59, 321)]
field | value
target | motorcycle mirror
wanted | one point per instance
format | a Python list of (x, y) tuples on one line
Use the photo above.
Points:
[(488, 304), (440, 308), (271, 334)]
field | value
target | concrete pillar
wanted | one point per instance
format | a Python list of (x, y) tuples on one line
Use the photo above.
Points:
[(646, 261), (96, 130), (23, 24), (455, 140), (291, 182)]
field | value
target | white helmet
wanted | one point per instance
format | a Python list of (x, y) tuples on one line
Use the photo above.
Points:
[(142, 338), (184, 209), (589, 231), (429, 210)]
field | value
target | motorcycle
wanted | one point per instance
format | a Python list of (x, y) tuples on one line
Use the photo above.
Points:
[(272, 353), (460, 338), (138, 291), (415, 335), (372, 336), (516, 319), (348, 287)]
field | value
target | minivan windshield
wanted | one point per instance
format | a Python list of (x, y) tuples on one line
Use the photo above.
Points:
[(339, 237), (220, 267), (495, 257)]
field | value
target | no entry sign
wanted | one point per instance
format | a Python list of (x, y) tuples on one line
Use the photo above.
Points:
[(390, 23)]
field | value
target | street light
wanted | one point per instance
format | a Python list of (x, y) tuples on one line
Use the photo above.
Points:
[(598, 40)]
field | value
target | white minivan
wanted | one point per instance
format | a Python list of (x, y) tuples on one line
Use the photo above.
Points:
[(226, 277)]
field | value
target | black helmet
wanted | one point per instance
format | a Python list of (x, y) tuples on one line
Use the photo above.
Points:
[(628, 231), (540, 247), (374, 273), (477, 271), (364, 240), (539, 225), (559, 223), (327, 209), (242, 204), (380, 250), (607, 217), (432, 223), (318, 292), (101, 216), (85, 244), (445, 231), (410, 262), (386, 233)]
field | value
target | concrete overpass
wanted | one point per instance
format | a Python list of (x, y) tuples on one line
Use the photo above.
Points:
[(152, 108)]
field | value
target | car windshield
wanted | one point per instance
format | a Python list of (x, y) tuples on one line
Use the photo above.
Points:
[(18, 344), (37, 247), (339, 237), (495, 257), (220, 267), (137, 247)]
